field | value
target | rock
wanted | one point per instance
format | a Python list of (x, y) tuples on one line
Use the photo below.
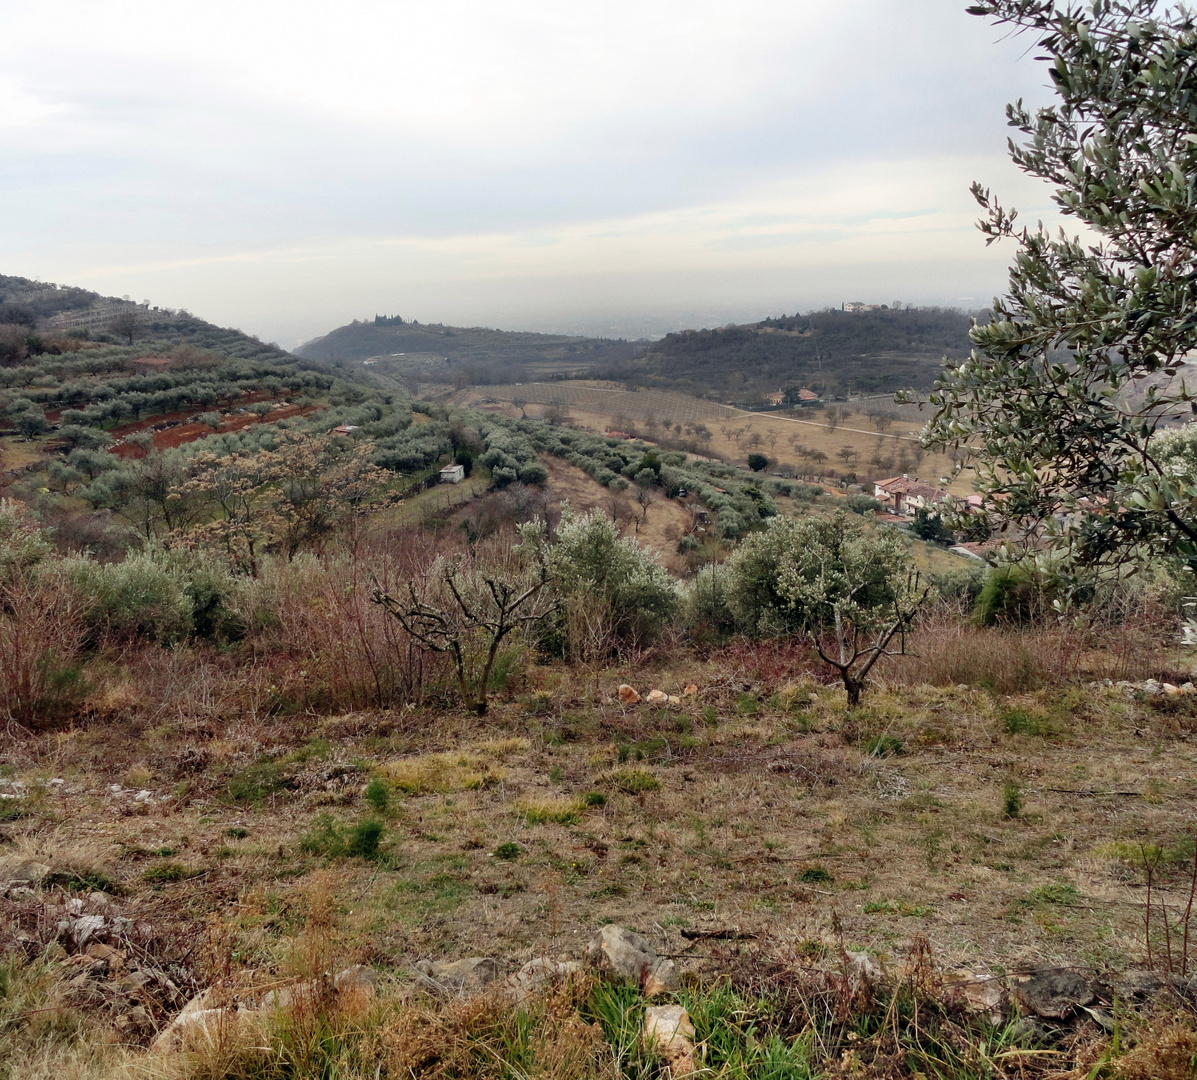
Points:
[(621, 954), (135, 1021), (977, 994), (466, 976), (534, 975), (669, 1031), (673, 699), (1171, 688), (144, 796), (657, 697), (864, 967), (17, 872), (358, 979), (1187, 688), (99, 951), (134, 981), (1053, 993), (627, 696), (208, 1023), (690, 691), (82, 929)]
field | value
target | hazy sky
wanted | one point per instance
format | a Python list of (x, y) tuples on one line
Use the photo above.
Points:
[(634, 164)]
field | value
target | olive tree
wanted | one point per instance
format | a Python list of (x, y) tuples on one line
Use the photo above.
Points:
[(1082, 360), (847, 586)]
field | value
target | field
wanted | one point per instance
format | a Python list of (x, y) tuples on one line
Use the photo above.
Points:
[(752, 825), (874, 448)]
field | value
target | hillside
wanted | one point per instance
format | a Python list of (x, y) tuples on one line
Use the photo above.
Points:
[(833, 352), (37, 308), (476, 353)]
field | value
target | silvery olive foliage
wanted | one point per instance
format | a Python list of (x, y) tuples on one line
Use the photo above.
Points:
[(1083, 360)]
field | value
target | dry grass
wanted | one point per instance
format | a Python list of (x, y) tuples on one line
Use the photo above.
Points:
[(442, 773)]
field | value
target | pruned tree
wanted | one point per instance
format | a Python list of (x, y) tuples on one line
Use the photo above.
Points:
[(468, 614)]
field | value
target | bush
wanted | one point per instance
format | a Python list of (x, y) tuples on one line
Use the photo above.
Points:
[(758, 462), (140, 597), (1012, 595), (771, 571), (862, 504), (612, 591)]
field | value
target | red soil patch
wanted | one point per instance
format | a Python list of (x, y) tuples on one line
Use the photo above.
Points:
[(177, 434)]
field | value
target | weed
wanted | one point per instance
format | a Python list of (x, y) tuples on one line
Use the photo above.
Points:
[(333, 840), (236, 832), (747, 705), (82, 881), (594, 798), (815, 875), (378, 795), (166, 873), (556, 774), (551, 811), (258, 782), (886, 907), (1011, 800), (710, 715), (1020, 721), (632, 781), (1056, 893), (883, 746), (508, 850)]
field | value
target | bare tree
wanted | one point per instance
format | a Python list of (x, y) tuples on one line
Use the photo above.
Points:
[(472, 623), (126, 325), (645, 497)]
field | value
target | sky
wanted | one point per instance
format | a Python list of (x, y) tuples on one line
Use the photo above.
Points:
[(624, 167)]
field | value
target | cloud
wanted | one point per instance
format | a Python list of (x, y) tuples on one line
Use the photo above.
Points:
[(463, 156)]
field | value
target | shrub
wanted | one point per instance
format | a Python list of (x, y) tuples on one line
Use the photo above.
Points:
[(612, 592), (862, 504), (139, 597), (758, 462)]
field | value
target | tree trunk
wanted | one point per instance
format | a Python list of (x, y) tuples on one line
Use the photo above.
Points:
[(853, 686)]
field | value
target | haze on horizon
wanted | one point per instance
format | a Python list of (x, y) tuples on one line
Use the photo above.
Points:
[(608, 167)]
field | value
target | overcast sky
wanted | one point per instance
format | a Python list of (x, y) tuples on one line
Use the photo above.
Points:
[(620, 165)]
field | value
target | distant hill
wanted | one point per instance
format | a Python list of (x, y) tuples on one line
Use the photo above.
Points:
[(830, 351), (46, 307), (477, 354)]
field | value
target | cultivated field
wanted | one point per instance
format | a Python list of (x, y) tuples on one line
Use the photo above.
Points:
[(874, 448)]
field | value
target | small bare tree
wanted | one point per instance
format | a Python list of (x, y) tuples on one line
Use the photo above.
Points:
[(470, 620)]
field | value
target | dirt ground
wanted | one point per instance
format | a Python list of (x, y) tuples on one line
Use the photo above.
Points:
[(756, 813)]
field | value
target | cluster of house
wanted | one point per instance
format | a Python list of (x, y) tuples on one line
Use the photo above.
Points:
[(901, 495)]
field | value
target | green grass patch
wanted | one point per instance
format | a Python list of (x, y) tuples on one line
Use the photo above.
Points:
[(900, 907), (632, 781), (883, 746), (333, 839), (508, 851), (815, 875), (167, 873)]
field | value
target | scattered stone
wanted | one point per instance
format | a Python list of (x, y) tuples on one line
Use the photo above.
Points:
[(673, 699), (656, 697), (1053, 993), (1171, 688), (669, 1031), (17, 872), (144, 796), (621, 954), (690, 691), (466, 976), (627, 695), (977, 993), (535, 974)]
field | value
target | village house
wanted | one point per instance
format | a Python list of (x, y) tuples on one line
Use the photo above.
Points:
[(906, 496), (452, 474)]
